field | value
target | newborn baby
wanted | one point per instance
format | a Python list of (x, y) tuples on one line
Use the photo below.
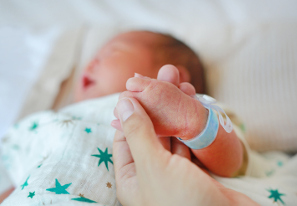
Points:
[(66, 157), (145, 53)]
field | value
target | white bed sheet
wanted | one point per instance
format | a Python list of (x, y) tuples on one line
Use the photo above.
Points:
[(23, 56)]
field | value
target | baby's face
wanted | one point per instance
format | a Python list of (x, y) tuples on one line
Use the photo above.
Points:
[(115, 63)]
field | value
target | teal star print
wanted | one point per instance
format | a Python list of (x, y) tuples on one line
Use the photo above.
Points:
[(88, 130), (15, 147), (76, 118), (59, 189), (83, 199), (280, 163), (242, 127), (104, 157), (31, 194), (34, 126), (269, 173), (276, 196), (25, 183)]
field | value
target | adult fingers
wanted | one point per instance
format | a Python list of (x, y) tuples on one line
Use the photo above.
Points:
[(121, 155), (117, 124), (139, 131)]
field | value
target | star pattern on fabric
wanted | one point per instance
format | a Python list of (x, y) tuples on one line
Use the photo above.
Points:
[(242, 127), (269, 173), (76, 118), (25, 183), (274, 194), (104, 157), (31, 194), (88, 130), (34, 126), (15, 147), (5, 139), (66, 122), (83, 199), (280, 163), (109, 185), (59, 189)]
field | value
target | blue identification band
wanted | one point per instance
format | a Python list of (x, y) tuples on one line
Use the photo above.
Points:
[(207, 136)]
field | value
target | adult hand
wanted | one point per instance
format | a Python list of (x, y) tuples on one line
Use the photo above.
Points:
[(148, 174)]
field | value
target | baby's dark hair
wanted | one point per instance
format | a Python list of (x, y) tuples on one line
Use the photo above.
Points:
[(173, 51)]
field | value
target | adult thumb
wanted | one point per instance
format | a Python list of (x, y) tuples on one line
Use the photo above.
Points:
[(138, 130)]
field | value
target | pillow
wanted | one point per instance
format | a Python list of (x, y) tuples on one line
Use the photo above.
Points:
[(57, 66), (31, 74), (256, 76)]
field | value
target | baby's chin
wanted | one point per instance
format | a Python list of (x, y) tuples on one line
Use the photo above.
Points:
[(80, 95), (77, 97)]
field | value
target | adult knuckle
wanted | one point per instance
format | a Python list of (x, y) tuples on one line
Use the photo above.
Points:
[(125, 94), (133, 128)]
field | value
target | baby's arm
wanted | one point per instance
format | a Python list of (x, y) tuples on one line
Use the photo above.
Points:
[(224, 156), (174, 113), (4, 195)]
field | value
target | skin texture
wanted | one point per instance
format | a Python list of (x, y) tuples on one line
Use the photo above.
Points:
[(148, 174), (175, 113), (5, 194), (167, 100)]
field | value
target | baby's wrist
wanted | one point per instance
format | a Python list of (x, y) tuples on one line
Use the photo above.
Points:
[(197, 123), (209, 133)]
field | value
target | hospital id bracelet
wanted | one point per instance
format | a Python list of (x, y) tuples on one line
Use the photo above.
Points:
[(207, 136)]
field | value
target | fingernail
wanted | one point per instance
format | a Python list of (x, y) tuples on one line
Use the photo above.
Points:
[(138, 75), (125, 109)]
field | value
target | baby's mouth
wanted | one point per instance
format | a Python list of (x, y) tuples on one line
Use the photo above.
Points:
[(87, 82)]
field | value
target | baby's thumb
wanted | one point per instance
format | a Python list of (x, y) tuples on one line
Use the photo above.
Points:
[(138, 130)]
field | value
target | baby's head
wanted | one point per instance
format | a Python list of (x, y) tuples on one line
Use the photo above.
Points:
[(140, 52)]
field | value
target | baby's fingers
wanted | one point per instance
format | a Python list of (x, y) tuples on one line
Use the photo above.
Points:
[(169, 73), (117, 125), (137, 84), (187, 88)]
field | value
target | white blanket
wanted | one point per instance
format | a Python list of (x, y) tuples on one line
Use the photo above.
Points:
[(65, 158)]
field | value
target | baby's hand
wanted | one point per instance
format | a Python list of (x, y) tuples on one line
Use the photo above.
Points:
[(171, 109)]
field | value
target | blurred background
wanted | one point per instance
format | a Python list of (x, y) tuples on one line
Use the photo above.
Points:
[(249, 50)]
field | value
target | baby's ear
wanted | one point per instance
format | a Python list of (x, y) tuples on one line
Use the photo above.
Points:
[(184, 74)]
